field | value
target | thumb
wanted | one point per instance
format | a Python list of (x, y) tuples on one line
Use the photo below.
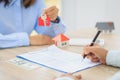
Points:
[(91, 50)]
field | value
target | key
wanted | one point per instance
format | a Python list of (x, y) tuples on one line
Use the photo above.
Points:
[(44, 19)]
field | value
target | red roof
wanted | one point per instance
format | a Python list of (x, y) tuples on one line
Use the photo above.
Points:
[(61, 37)]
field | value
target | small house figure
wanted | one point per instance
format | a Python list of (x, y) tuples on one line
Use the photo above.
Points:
[(105, 26), (61, 40)]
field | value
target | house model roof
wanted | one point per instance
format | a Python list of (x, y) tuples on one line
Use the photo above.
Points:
[(105, 25), (61, 37)]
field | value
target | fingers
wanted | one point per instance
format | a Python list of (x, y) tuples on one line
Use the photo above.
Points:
[(52, 12), (93, 58), (89, 50), (78, 76), (48, 40), (75, 77), (98, 53), (51, 8), (69, 74), (91, 53)]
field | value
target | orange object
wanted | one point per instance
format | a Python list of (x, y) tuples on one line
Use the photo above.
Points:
[(42, 23), (61, 40)]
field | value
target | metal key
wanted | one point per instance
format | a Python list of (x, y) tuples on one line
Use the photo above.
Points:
[(43, 17)]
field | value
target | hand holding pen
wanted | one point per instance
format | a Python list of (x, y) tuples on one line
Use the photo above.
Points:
[(93, 41), (96, 53)]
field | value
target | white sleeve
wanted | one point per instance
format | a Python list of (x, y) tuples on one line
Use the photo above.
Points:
[(115, 77), (113, 58)]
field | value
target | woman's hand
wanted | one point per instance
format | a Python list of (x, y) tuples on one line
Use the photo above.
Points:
[(95, 53), (74, 77), (52, 12), (38, 40)]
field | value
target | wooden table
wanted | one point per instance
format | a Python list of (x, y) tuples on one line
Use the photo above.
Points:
[(102, 72)]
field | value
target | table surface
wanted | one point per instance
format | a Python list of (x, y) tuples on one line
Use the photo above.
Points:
[(11, 72)]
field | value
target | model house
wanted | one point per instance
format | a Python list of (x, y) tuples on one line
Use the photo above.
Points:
[(61, 40)]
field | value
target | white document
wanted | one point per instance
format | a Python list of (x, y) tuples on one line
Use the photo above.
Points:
[(57, 59), (84, 41), (23, 64)]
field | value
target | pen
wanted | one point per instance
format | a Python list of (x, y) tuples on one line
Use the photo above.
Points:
[(93, 41)]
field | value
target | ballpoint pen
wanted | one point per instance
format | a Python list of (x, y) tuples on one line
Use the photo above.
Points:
[(93, 41)]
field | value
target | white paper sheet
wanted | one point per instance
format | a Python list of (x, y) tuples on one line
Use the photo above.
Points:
[(23, 64), (55, 58), (84, 41)]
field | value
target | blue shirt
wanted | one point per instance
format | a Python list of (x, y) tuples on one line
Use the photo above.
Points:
[(17, 23)]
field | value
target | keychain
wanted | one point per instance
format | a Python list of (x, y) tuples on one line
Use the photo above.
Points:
[(44, 19)]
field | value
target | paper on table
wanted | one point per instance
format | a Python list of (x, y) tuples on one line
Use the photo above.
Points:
[(23, 64), (57, 59), (84, 41)]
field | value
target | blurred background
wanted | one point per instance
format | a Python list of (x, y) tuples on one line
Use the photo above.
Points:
[(85, 13)]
